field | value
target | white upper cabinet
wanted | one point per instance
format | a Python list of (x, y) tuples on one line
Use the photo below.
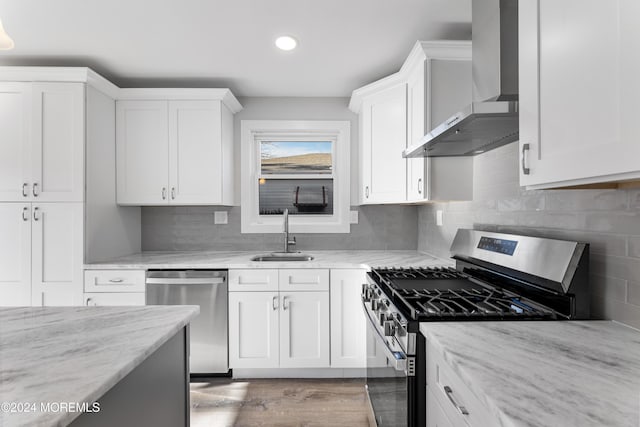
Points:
[(15, 122), (42, 150), (58, 135), (175, 151), (383, 137), (439, 85), (578, 92), (142, 151), (396, 112)]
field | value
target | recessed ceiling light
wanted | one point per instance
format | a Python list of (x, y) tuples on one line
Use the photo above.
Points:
[(286, 43)]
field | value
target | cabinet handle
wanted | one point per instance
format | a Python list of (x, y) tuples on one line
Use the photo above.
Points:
[(35, 214), (25, 214), (525, 149), (419, 185), (284, 303), (460, 408), (164, 193), (173, 193), (366, 191), (90, 302), (274, 303), (35, 188), (118, 280), (25, 189)]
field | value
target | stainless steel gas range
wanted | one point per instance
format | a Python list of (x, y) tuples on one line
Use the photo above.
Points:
[(497, 277)]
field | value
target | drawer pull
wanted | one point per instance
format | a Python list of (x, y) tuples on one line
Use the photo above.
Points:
[(274, 303), (460, 408), (116, 280)]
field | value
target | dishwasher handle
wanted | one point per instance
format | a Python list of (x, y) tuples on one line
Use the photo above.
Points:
[(185, 281)]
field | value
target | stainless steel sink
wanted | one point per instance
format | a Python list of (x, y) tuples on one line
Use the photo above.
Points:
[(282, 257)]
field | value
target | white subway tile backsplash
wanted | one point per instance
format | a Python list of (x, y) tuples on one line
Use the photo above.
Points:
[(607, 219)]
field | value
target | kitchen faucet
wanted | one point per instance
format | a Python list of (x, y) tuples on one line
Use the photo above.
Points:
[(287, 242)]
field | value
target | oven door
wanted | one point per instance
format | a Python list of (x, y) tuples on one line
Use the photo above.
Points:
[(387, 381)]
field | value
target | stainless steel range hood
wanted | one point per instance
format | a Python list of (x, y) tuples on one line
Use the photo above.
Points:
[(492, 119)]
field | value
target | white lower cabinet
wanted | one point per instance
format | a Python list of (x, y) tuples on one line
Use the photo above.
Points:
[(348, 322), (279, 327), (450, 402), (41, 254), (254, 332), (304, 330), (113, 298)]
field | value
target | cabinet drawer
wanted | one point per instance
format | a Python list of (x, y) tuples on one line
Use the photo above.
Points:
[(114, 281), (114, 298), (253, 280), (304, 279), (453, 395)]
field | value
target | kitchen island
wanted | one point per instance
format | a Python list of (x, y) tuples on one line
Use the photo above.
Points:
[(575, 373), (94, 366)]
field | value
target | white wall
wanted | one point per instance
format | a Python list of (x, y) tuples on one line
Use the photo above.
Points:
[(277, 108)]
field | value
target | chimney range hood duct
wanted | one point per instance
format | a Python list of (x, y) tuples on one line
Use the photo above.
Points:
[(492, 119)]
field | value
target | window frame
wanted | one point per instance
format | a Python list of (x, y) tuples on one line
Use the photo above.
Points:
[(336, 131)]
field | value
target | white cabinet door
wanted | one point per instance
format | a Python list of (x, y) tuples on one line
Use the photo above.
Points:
[(416, 129), (384, 137), (195, 152), (114, 299), (57, 154), (57, 253), (253, 330), (578, 91), (436, 416), (304, 330), (15, 254), (142, 152), (348, 327), (15, 157)]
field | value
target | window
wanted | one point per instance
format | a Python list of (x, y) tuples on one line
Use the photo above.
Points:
[(302, 166)]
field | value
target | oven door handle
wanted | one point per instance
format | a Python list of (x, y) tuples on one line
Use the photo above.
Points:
[(397, 359)]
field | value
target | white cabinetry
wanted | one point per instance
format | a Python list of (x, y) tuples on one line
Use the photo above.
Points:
[(578, 121), (274, 325), (175, 151), (348, 322), (438, 85), (449, 401), (15, 254), (114, 299), (57, 253), (42, 150), (383, 127), (114, 287), (397, 111)]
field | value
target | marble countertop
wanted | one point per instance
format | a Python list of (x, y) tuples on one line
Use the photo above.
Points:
[(75, 354), (577, 373), (223, 260)]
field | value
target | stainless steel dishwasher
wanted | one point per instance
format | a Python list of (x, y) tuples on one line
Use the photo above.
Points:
[(208, 330)]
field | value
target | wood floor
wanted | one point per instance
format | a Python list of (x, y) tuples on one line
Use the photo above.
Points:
[(279, 402)]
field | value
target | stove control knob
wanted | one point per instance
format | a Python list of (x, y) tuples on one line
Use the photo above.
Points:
[(383, 317), (389, 328), (375, 304), (386, 303), (366, 293)]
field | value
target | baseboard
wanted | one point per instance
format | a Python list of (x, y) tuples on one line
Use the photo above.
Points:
[(300, 373)]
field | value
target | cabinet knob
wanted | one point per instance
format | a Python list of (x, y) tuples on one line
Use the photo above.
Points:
[(525, 150)]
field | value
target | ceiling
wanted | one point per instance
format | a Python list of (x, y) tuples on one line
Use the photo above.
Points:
[(343, 44)]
